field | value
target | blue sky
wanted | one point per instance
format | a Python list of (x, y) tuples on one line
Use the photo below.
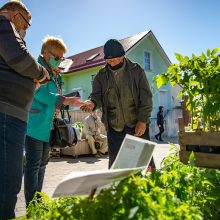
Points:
[(182, 26)]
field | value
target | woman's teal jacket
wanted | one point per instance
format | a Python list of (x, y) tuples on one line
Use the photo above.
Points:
[(43, 107)]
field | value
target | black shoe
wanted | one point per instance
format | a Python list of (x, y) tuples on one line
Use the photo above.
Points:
[(161, 140), (156, 137)]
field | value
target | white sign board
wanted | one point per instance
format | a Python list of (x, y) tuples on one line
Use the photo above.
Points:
[(134, 155)]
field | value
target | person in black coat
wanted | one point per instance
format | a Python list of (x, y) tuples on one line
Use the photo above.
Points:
[(121, 77), (160, 119)]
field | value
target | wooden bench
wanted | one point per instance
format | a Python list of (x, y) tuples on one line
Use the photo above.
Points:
[(81, 148)]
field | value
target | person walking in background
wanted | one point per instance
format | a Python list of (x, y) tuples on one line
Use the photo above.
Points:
[(122, 91), (160, 122), (18, 72), (97, 141), (47, 102)]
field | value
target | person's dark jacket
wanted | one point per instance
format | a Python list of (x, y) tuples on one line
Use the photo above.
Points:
[(160, 118), (139, 87), (17, 71)]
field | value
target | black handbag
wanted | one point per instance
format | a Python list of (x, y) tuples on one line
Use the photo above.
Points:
[(64, 133), (97, 145)]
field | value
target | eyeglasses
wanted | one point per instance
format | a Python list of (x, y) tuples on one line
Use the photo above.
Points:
[(25, 19), (57, 58), (113, 59)]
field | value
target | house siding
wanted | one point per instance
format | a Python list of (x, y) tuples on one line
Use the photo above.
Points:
[(158, 66), (80, 79)]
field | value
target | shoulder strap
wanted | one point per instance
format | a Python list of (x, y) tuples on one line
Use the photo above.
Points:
[(62, 112)]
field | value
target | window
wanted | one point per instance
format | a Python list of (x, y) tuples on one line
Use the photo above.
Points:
[(92, 57), (65, 65), (147, 61)]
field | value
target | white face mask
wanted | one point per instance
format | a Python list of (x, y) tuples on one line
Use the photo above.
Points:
[(22, 33)]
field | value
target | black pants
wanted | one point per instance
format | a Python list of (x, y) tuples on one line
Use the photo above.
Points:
[(116, 138), (161, 128)]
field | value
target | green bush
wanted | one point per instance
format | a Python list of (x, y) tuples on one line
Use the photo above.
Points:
[(177, 191), (199, 79)]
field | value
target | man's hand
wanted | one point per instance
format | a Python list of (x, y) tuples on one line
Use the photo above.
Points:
[(88, 106), (73, 101), (45, 78), (140, 128), (36, 84)]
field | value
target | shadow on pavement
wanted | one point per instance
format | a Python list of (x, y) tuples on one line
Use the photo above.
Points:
[(82, 158), (166, 140)]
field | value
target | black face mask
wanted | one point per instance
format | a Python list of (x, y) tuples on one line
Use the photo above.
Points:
[(118, 66)]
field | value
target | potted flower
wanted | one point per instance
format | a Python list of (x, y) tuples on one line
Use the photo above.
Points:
[(199, 78)]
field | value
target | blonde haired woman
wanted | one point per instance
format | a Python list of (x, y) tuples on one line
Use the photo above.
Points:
[(47, 100)]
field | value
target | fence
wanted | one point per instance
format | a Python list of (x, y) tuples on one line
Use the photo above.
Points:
[(79, 115)]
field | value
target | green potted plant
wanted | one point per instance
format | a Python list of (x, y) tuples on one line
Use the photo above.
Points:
[(199, 79)]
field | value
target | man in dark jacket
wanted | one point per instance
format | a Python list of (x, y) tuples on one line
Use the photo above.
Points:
[(122, 91), (19, 72), (160, 120)]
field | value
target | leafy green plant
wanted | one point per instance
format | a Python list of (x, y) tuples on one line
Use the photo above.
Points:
[(199, 78), (176, 191)]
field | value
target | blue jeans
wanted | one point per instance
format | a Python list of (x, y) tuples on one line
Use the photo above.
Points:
[(37, 157), (115, 139), (12, 134)]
